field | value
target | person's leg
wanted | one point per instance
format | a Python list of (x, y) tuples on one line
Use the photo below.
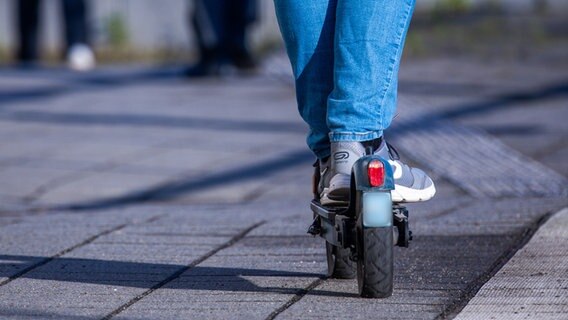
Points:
[(240, 14), (80, 56), (28, 18), (75, 15), (369, 37), (308, 31), (208, 19), (208, 23)]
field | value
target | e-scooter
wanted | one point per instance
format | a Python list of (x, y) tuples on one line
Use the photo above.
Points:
[(360, 236)]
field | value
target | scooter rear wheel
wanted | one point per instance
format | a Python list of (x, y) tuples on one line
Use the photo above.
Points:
[(375, 262)]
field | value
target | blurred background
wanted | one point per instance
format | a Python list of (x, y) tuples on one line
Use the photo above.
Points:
[(150, 31)]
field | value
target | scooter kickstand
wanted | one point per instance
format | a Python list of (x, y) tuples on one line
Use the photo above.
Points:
[(315, 228)]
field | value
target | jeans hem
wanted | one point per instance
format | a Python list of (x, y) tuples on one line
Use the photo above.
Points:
[(354, 136)]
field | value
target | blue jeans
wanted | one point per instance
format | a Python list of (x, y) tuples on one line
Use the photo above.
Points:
[(345, 56)]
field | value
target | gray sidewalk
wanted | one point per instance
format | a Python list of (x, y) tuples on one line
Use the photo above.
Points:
[(130, 193), (533, 284)]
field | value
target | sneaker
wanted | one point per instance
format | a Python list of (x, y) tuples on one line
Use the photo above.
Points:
[(80, 58), (324, 182), (411, 184)]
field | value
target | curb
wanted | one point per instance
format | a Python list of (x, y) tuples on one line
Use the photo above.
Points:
[(533, 284)]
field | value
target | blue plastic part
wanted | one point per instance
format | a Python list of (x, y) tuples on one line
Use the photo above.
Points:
[(377, 209)]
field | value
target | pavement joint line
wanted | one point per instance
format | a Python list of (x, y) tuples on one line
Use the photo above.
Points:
[(67, 250), (454, 308), (297, 297), (178, 273)]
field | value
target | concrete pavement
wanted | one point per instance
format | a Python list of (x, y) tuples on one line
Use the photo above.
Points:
[(533, 284), (131, 193)]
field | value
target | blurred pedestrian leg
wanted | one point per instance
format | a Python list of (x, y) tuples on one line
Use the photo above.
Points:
[(75, 15), (80, 57), (78, 54), (220, 27), (28, 19), (239, 18)]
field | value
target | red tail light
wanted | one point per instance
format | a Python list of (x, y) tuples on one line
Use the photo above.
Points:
[(376, 173)]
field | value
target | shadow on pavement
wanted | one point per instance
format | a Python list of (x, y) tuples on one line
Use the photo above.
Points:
[(430, 88), (71, 81), (512, 130), (140, 120), (508, 100), (494, 104), (497, 103), (173, 189), (153, 275)]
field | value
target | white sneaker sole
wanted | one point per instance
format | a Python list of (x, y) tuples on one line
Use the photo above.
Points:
[(399, 195), (405, 194)]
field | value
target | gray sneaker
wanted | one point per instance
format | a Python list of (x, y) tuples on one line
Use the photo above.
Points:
[(323, 186), (411, 184)]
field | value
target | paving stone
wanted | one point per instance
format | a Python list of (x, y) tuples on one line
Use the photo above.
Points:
[(263, 281), (32, 239), (82, 282)]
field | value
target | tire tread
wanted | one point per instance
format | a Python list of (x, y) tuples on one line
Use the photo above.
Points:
[(344, 267), (377, 280)]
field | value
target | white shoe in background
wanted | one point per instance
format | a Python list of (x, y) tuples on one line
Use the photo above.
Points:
[(80, 58)]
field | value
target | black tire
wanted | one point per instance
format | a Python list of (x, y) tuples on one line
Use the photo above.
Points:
[(375, 262), (339, 263)]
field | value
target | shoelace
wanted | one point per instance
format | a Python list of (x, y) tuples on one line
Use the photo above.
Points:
[(393, 153)]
